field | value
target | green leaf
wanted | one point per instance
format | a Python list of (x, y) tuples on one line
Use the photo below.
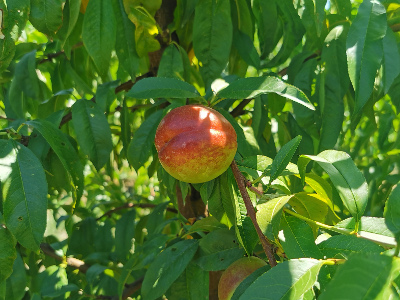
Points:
[(212, 37), (99, 33), (347, 179), (172, 64), (18, 12), (167, 267), (125, 45), (364, 49), (139, 149), (8, 252), (242, 287), (221, 201), (370, 228), (269, 216), (105, 95), (298, 238), (207, 224), (367, 276), (283, 157), (157, 87), (17, 282), (81, 241), (288, 280), (7, 51), (218, 249), (124, 234), (245, 47), (46, 15), (70, 17), (334, 83), (24, 193), (390, 60), (392, 211), (339, 246), (312, 206), (92, 132), (25, 82), (60, 144), (193, 284), (248, 88)]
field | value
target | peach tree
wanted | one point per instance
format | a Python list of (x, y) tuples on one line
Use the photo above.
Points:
[(299, 125)]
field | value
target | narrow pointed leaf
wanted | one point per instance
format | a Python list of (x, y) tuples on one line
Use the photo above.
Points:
[(212, 37), (347, 179), (8, 253), (167, 267), (92, 132), (288, 280), (298, 238), (46, 15), (99, 33), (24, 193), (248, 88), (157, 87), (60, 144), (364, 49), (139, 149), (125, 45), (363, 277), (283, 158), (342, 246), (391, 60)]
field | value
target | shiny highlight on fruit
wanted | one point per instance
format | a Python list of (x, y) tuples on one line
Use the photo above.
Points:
[(195, 143)]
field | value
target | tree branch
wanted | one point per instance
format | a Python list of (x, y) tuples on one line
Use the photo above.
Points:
[(266, 244)]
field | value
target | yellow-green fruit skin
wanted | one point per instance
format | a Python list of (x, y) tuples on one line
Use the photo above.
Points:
[(235, 274), (195, 143)]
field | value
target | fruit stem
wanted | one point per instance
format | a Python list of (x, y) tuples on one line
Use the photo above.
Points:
[(266, 244)]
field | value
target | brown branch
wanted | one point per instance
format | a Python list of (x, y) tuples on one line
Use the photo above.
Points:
[(266, 244), (130, 205), (238, 110), (71, 261), (59, 53)]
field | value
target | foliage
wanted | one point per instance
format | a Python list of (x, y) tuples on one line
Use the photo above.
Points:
[(312, 89)]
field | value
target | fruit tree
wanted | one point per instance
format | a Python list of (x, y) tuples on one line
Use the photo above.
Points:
[(185, 149)]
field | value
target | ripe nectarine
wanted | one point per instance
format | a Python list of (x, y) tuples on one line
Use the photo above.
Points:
[(235, 274), (195, 143)]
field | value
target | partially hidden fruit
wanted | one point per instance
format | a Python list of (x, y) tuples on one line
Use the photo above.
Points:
[(84, 4), (195, 143), (235, 274)]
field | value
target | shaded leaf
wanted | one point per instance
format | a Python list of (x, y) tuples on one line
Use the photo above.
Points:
[(390, 60), (46, 15), (167, 267), (139, 149), (124, 234), (60, 144), (212, 37), (92, 132), (99, 33), (392, 211), (24, 193), (157, 87), (8, 252)]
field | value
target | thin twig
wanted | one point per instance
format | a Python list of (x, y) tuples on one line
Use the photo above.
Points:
[(266, 244), (238, 110), (130, 205), (71, 261)]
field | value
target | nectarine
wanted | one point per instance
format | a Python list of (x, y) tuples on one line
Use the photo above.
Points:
[(195, 143), (235, 274)]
